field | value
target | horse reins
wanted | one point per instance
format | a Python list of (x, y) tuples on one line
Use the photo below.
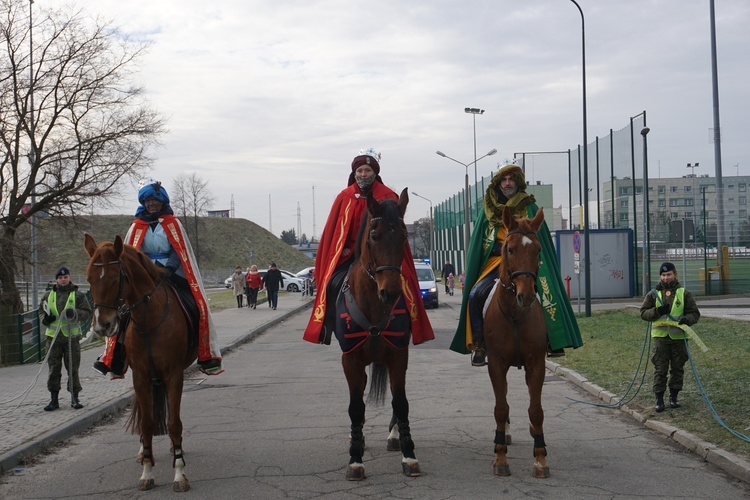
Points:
[(378, 268), (511, 288)]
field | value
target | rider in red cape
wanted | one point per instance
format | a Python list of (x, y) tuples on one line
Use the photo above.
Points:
[(166, 243), (336, 252)]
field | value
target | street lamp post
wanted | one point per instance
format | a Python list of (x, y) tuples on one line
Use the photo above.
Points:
[(693, 166), (474, 112), (432, 225), (586, 247), (466, 199)]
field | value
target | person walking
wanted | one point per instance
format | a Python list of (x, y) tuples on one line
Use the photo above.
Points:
[(336, 251), (238, 285), (448, 269), (64, 309), (670, 308), (450, 283), (272, 281), (254, 284)]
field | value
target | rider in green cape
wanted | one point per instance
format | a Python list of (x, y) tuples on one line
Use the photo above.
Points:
[(508, 189)]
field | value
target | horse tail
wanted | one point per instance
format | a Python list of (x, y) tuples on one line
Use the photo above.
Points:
[(159, 412), (159, 391), (378, 384)]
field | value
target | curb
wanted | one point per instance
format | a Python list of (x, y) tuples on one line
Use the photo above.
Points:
[(726, 461)]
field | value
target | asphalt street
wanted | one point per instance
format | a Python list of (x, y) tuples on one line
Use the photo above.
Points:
[(275, 425)]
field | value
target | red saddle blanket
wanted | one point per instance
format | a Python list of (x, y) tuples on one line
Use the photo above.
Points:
[(351, 335)]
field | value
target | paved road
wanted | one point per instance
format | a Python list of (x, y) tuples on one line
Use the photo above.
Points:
[(275, 426)]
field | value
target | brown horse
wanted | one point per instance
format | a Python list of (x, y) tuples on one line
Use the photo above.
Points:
[(515, 335), (372, 288), (125, 283)]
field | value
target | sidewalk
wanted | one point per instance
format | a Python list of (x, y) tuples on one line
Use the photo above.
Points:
[(26, 429)]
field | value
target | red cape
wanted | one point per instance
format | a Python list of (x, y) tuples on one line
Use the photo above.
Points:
[(344, 220)]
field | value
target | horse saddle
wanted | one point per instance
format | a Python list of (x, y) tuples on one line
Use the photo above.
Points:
[(352, 335)]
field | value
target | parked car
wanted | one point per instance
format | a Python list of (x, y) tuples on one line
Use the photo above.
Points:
[(427, 285), (228, 281)]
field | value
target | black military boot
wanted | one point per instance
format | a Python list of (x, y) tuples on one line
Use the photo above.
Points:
[(53, 403), (659, 402), (673, 403), (74, 403)]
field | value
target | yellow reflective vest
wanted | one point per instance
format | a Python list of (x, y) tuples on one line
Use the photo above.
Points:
[(66, 327), (661, 327)]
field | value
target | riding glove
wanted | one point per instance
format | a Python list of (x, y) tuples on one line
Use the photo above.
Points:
[(663, 309)]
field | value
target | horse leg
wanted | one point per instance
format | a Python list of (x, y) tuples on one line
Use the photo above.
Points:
[(498, 377), (397, 375), (534, 381), (142, 411), (180, 482), (355, 375), (393, 443)]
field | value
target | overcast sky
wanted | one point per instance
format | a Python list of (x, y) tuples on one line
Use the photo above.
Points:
[(272, 98)]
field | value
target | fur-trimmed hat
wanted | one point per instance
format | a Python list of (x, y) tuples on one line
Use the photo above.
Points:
[(666, 267), (515, 172)]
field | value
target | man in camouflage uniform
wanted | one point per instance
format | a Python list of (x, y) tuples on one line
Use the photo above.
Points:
[(669, 307), (63, 310)]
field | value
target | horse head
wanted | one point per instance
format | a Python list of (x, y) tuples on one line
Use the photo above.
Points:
[(105, 277), (520, 256), (382, 244)]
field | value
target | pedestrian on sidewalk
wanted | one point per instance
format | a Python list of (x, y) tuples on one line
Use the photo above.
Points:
[(272, 281), (669, 306), (64, 309), (238, 285), (254, 284), (448, 270)]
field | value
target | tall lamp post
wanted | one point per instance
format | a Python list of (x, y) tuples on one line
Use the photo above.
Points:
[(693, 166), (432, 224), (586, 247), (474, 112), (466, 199)]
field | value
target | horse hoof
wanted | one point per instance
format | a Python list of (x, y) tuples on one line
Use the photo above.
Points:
[(411, 470), (541, 472), (181, 486), (501, 470), (145, 484), (393, 444), (355, 473)]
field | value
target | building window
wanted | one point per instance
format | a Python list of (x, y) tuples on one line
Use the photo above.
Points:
[(623, 217), (742, 187), (623, 203), (743, 214), (688, 215), (673, 215), (639, 190), (662, 190), (662, 203), (688, 202), (624, 191), (688, 189), (743, 200), (672, 189)]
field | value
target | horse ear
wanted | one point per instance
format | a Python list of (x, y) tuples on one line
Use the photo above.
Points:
[(89, 244), (118, 246), (508, 220), (536, 222), (372, 205), (403, 200)]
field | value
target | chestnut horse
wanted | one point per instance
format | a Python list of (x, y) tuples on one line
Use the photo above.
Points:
[(515, 334), (372, 288), (125, 283)]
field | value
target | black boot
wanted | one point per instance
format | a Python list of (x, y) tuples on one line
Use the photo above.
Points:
[(673, 403), (74, 403), (479, 357), (53, 404), (659, 402)]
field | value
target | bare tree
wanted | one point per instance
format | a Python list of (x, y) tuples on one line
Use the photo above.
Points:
[(73, 123), (421, 230), (190, 200)]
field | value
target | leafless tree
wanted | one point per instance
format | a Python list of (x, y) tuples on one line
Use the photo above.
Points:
[(74, 125), (191, 199), (421, 237)]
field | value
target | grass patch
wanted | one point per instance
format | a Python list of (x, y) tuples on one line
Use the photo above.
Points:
[(613, 344)]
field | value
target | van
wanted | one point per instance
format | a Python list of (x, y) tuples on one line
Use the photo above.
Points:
[(427, 285)]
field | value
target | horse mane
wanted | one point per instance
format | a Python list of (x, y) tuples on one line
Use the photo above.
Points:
[(389, 213), (133, 254)]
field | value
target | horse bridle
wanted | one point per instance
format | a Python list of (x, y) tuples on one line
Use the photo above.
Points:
[(515, 274), (378, 268), (121, 307)]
